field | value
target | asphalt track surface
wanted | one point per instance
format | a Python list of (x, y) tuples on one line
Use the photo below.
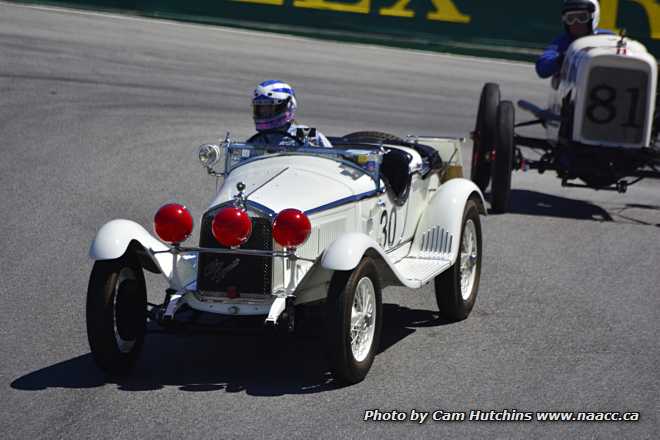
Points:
[(99, 119)]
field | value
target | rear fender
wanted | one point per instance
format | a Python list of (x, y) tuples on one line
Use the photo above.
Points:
[(439, 229)]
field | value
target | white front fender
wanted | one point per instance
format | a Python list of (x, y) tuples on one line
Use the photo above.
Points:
[(113, 239), (346, 252)]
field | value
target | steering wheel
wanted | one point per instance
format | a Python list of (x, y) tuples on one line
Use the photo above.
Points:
[(281, 134)]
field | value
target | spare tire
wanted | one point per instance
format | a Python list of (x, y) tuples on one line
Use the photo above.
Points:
[(372, 137)]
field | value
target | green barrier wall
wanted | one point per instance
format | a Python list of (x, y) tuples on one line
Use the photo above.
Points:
[(514, 29)]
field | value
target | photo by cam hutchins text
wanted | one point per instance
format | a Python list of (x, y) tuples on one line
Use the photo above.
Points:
[(505, 415)]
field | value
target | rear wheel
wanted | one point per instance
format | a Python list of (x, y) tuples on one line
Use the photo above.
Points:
[(484, 136), (354, 321), (655, 137), (116, 314), (503, 164), (456, 288)]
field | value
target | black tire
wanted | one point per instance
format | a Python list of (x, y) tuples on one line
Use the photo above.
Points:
[(372, 137), (484, 139), (503, 164), (655, 136), (453, 306), (343, 362), (116, 295)]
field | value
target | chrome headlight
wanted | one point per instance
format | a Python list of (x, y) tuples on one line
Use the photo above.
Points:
[(209, 154)]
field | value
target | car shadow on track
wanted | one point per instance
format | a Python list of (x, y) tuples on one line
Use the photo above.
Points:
[(232, 360), (534, 203), (527, 202)]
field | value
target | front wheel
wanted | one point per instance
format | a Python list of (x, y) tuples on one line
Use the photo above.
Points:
[(354, 321), (116, 314), (456, 288)]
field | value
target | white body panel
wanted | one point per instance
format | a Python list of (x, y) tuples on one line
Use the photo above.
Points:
[(437, 235), (350, 215), (307, 183), (611, 88)]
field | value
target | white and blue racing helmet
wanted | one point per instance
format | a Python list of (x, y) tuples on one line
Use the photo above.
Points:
[(581, 11), (273, 105)]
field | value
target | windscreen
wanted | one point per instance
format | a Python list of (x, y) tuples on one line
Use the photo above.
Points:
[(367, 161)]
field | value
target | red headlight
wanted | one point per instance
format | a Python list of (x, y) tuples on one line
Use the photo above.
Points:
[(231, 226), (173, 223), (291, 228)]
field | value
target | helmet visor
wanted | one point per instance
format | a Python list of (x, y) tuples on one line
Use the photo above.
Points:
[(575, 17), (268, 110)]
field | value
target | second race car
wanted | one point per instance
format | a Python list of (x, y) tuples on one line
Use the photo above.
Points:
[(601, 123)]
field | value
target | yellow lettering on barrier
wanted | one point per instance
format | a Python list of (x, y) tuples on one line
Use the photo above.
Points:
[(359, 6), (263, 2), (610, 11), (398, 10), (652, 8), (446, 10)]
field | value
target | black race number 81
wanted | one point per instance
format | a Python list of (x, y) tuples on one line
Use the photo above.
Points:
[(602, 109)]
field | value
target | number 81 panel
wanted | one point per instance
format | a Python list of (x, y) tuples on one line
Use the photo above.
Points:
[(601, 123)]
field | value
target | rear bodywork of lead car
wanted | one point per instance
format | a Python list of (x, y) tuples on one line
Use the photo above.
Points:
[(410, 224)]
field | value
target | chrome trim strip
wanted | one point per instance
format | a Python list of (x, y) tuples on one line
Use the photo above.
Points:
[(254, 252), (398, 246), (266, 182), (344, 201), (261, 208), (248, 203), (270, 213)]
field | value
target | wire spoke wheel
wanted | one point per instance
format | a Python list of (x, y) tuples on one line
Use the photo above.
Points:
[(469, 255), (456, 288), (363, 321), (353, 321)]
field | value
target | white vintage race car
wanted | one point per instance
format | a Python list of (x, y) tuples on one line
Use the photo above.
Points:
[(291, 227), (602, 122)]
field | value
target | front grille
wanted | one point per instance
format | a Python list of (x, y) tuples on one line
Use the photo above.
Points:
[(246, 273), (615, 107)]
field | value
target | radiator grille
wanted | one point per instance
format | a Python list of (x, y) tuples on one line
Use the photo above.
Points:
[(247, 274), (615, 108)]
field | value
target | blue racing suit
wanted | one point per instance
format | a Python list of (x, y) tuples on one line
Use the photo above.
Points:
[(550, 61), (285, 137)]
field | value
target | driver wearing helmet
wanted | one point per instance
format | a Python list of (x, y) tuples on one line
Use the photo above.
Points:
[(580, 18), (274, 110)]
